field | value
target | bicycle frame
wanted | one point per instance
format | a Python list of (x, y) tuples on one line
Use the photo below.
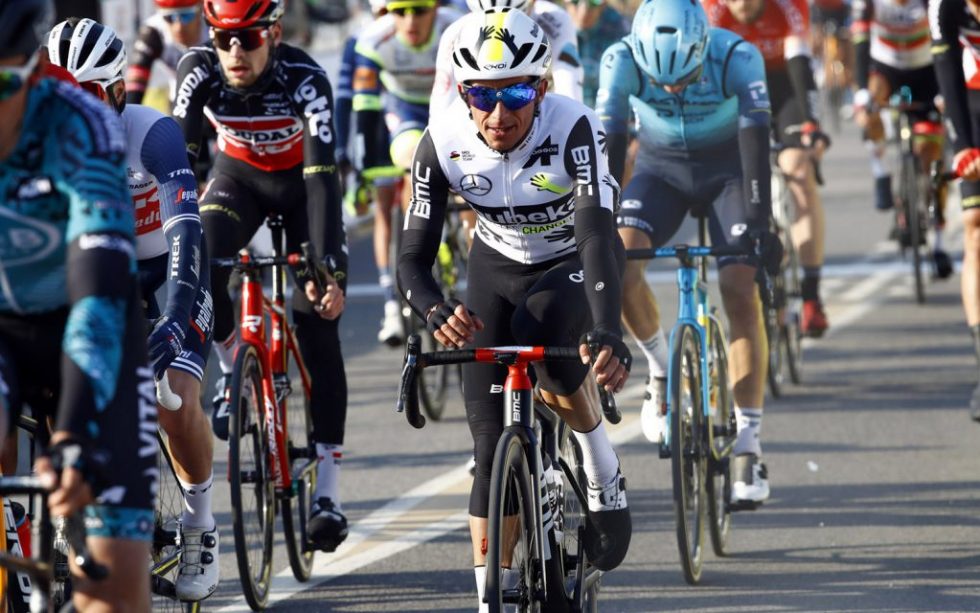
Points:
[(273, 353)]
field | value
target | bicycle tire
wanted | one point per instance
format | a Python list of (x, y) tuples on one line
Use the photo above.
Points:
[(722, 429), (433, 382), (688, 459), (573, 519), (914, 219), (792, 331), (512, 499), (164, 552), (770, 313), (294, 506), (251, 482)]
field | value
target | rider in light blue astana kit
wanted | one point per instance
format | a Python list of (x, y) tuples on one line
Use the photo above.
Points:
[(170, 251), (72, 336), (699, 95)]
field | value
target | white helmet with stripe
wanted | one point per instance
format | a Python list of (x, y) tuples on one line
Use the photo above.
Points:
[(90, 51), (491, 6), (500, 46)]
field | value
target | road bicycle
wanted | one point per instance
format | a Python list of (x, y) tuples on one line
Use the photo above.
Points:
[(834, 78), (449, 270), (914, 194), (782, 307), (537, 510), (38, 567), (700, 408), (270, 456)]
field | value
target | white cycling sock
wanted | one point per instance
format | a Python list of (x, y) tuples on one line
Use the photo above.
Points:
[(480, 574), (226, 353), (877, 152), (386, 282), (655, 350), (197, 504), (598, 458), (328, 472), (749, 422)]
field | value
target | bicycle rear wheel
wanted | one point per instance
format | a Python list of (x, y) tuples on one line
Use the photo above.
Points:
[(295, 504), (722, 430), (791, 337), (914, 227), (253, 510), (571, 481), (688, 457), (511, 531), (771, 314)]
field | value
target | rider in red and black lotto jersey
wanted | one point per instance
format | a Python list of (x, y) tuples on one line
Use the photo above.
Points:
[(272, 108)]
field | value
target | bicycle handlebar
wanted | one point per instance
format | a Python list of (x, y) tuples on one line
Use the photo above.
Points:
[(686, 251), (74, 534), (415, 360)]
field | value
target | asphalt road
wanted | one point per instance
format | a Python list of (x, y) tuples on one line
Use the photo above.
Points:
[(873, 462)]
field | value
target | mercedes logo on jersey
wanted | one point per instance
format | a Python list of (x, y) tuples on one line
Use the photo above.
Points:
[(478, 185)]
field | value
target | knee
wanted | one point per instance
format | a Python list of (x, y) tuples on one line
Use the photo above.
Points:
[(741, 297)]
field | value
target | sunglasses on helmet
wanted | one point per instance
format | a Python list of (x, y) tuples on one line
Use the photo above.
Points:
[(250, 39), (184, 16), (514, 97), (12, 78)]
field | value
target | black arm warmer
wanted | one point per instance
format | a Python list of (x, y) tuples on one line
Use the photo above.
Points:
[(804, 87), (597, 240), (617, 146), (753, 147), (862, 63), (366, 123), (952, 85), (423, 231)]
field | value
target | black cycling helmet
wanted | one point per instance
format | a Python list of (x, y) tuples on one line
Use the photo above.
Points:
[(23, 25)]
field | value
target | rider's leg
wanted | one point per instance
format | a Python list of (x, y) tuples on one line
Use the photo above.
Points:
[(190, 441), (127, 587), (388, 194), (879, 90), (970, 278), (808, 228)]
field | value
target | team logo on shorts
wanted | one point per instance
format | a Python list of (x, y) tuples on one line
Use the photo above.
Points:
[(478, 185)]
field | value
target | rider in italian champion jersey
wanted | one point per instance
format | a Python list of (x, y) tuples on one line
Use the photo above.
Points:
[(545, 251), (169, 251)]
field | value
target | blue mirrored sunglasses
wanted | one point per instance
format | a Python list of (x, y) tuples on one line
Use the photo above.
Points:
[(12, 78), (184, 16), (514, 97)]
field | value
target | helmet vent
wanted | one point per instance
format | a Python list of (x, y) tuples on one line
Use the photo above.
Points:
[(666, 30), (468, 58), (673, 58), (521, 54), (542, 49), (690, 56)]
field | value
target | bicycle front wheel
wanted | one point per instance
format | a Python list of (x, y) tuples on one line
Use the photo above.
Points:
[(914, 222), (688, 455), (512, 532), (295, 504), (253, 510), (433, 382), (722, 430), (791, 337)]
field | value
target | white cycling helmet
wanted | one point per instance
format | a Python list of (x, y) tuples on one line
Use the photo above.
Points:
[(500, 46), (492, 6), (90, 51)]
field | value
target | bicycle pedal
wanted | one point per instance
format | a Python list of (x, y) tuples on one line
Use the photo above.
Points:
[(163, 587)]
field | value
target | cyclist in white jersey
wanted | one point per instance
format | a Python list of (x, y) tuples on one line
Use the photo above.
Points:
[(891, 51), (566, 71), (169, 250), (534, 169)]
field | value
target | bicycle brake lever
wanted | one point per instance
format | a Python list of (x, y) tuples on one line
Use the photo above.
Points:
[(75, 534), (408, 394), (609, 408)]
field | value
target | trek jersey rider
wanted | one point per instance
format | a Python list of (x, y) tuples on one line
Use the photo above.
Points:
[(730, 95), (168, 225), (566, 66), (540, 201), (281, 122), (956, 51), (155, 43)]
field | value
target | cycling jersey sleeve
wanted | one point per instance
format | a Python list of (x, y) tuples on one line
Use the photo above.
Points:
[(147, 49), (796, 49), (344, 100), (194, 78), (324, 200), (164, 157), (619, 78), (423, 229), (862, 16), (944, 16), (367, 106), (745, 78), (100, 267), (596, 196)]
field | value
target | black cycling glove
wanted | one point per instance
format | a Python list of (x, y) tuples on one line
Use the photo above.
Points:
[(767, 247), (441, 314), (599, 337)]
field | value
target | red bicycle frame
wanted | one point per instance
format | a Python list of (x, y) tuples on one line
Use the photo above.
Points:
[(273, 352)]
